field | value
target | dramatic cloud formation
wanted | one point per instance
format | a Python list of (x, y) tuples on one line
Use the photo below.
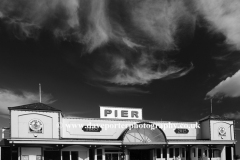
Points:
[(9, 98), (232, 115), (143, 25), (224, 17), (140, 30), (142, 72), (228, 88)]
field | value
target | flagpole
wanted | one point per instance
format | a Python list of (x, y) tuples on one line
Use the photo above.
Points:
[(40, 93)]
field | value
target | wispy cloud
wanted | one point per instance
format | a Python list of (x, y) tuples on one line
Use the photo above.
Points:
[(227, 88), (125, 90), (224, 18), (235, 115), (143, 70), (10, 98), (152, 27)]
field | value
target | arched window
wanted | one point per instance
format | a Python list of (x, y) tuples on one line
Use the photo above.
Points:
[(144, 133)]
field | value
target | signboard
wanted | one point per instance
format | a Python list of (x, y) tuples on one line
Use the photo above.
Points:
[(120, 112), (181, 131), (91, 128), (35, 126)]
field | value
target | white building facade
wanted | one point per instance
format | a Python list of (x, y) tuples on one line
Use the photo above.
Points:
[(40, 132)]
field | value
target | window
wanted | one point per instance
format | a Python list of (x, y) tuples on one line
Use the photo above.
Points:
[(66, 155), (194, 152), (210, 153), (205, 152), (176, 152), (199, 153), (171, 152), (216, 153), (183, 152), (164, 153), (91, 154), (99, 154), (74, 155), (158, 153), (112, 150), (24, 157), (38, 157)]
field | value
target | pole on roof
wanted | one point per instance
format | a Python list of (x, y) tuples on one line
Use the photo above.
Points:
[(40, 93), (211, 105)]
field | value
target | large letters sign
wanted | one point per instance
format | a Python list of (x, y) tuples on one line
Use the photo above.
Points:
[(120, 112)]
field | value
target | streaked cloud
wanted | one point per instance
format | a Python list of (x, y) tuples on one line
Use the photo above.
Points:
[(223, 17), (232, 115), (125, 90), (10, 98), (227, 88)]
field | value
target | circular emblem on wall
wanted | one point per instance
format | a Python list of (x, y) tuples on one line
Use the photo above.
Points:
[(36, 126), (222, 131)]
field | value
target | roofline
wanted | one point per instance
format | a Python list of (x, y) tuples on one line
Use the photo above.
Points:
[(130, 120), (40, 110), (121, 107), (218, 119), (114, 142)]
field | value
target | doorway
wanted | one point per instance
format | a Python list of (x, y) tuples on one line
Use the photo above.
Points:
[(141, 154), (52, 155), (112, 156)]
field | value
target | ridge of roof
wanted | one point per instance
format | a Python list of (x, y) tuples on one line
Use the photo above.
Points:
[(214, 117), (34, 106)]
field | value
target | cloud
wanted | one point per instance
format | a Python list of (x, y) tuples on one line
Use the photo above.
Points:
[(224, 18), (124, 90), (161, 21), (235, 115), (9, 98), (142, 29), (227, 88), (143, 70)]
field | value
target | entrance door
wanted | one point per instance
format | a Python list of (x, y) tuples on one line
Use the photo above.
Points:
[(52, 155), (112, 156), (228, 153), (140, 154)]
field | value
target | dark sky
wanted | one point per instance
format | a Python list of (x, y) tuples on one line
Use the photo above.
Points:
[(121, 54)]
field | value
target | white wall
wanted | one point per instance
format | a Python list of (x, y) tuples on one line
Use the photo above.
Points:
[(228, 125), (31, 151), (75, 128), (205, 130), (20, 124)]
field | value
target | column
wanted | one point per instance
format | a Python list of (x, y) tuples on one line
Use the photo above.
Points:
[(19, 154), (232, 153), (126, 154), (103, 154), (196, 150), (223, 153), (167, 156), (95, 154), (61, 153), (154, 154)]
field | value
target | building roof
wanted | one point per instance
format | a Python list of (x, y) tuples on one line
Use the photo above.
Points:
[(34, 106), (214, 117)]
